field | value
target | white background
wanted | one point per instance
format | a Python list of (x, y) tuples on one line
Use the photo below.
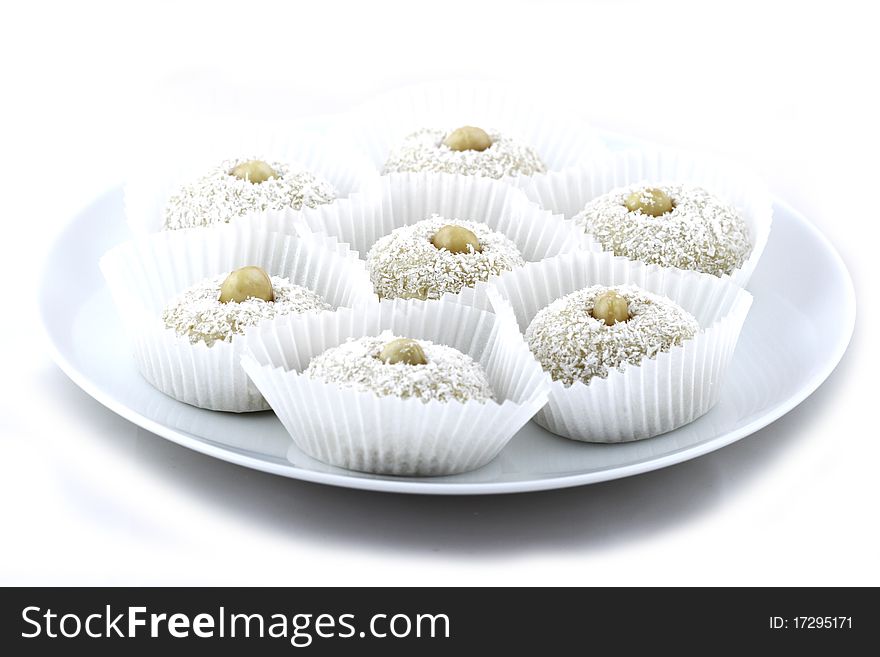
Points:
[(788, 88)]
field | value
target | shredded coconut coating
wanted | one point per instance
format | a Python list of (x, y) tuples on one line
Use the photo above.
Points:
[(424, 150), (405, 264), (448, 374), (219, 197), (701, 233), (198, 314), (572, 345)]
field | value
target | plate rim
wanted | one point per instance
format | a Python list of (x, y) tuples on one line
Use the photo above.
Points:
[(431, 486)]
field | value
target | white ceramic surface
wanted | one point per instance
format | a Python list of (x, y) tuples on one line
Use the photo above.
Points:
[(785, 352)]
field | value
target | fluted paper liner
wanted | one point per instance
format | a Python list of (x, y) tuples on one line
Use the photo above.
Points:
[(404, 199), (567, 192), (163, 173), (561, 139), (389, 435), (659, 394), (145, 274)]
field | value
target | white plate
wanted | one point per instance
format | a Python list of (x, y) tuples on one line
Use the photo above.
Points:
[(787, 349)]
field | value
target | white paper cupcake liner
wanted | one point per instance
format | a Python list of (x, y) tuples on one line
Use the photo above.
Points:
[(659, 394), (404, 199), (389, 435), (146, 273), (561, 139), (567, 192), (170, 165)]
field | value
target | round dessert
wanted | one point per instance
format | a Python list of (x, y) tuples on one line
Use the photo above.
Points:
[(587, 333), (432, 257), (467, 150), (217, 308), (235, 187), (390, 365), (675, 225)]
